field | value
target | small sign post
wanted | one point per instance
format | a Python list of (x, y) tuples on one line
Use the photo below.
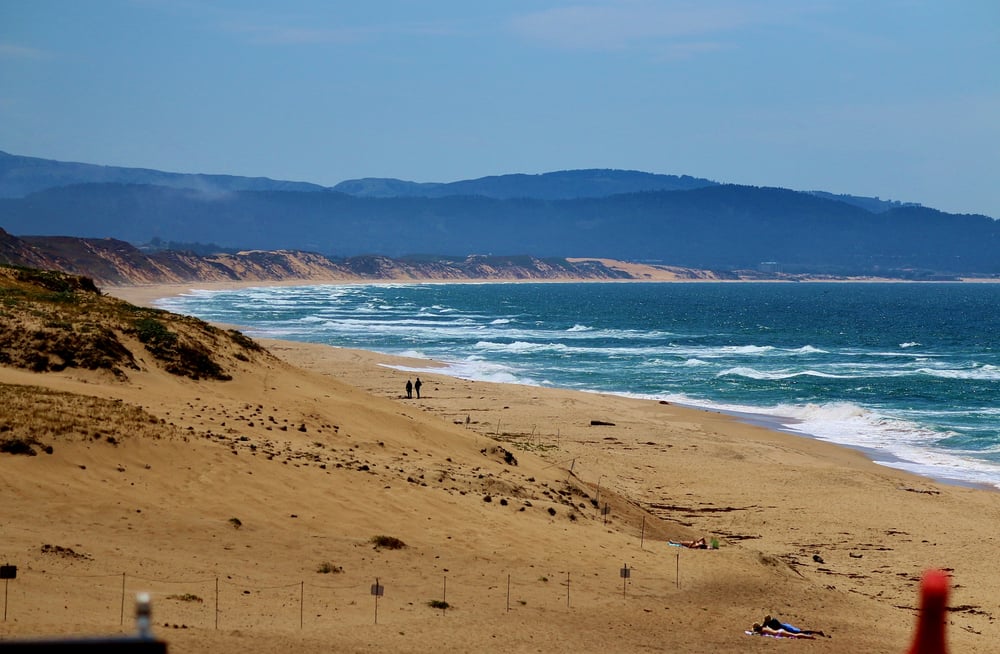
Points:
[(377, 591), (677, 574), (626, 574), (7, 572)]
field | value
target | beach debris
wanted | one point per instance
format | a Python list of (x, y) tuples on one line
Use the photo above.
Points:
[(601, 423), (818, 559), (924, 491)]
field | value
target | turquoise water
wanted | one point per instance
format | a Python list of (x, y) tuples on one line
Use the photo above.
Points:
[(911, 372)]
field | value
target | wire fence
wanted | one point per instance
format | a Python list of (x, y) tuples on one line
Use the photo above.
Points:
[(227, 602)]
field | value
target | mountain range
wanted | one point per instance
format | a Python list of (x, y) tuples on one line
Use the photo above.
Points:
[(627, 215)]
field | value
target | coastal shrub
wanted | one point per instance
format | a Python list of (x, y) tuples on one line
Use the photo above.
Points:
[(186, 597), (66, 552), (59, 324), (56, 281), (244, 341), (439, 604), (23, 446), (387, 542), (183, 359), (507, 455), (152, 332), (18, 446), (326, 568), (37, 362), (236, 523)]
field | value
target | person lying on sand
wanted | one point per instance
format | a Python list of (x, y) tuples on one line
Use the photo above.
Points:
[(762, 630), (774, 623), (699, 544)]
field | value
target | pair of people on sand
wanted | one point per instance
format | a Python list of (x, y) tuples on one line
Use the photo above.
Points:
[(774, 627), (411, 386)]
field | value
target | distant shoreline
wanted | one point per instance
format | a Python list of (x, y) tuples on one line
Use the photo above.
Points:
[(146, 294)]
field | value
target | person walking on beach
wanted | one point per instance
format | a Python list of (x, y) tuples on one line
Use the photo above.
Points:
[(416, 387), (409, 389)]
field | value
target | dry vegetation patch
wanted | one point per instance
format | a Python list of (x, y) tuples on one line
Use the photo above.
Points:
[(387, 542), (35, 416), (50, 321), (65, 552)]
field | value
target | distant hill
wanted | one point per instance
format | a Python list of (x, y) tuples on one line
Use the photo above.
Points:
[(874, 205), (623, 215), (20, 176), (561, 185)]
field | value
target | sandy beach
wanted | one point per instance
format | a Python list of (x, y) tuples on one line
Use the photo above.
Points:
[(251, 510)]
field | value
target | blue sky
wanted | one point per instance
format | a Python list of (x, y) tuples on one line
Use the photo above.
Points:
[(892, 98)]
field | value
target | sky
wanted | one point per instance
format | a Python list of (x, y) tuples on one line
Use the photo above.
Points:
[(898, 99)]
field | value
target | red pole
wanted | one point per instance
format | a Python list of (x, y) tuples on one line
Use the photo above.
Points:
[(929, 636)]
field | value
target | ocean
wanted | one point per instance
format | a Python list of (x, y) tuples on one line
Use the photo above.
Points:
[(910, 373)]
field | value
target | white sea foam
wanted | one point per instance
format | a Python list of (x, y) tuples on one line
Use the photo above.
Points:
[(986, 373), (520, 347), (413, 354), (906, 444), (909, 344), (896, 443), (752, 373), (580, 328), (473, 369), (746, 349), (808, 349)]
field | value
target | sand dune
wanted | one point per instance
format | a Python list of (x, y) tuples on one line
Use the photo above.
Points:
[(225, 499)]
